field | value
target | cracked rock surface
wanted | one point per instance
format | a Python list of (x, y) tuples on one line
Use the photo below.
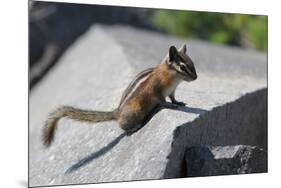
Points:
[(226, 107)]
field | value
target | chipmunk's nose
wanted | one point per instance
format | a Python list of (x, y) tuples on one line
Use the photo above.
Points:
[(195, 77)]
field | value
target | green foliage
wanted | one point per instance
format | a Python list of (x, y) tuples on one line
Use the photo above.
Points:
[(234, 29)]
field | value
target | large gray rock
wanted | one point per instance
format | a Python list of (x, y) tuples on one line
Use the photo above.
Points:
[(227, 105), (221, 160)]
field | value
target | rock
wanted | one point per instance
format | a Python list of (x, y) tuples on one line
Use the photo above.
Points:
[(227, 106), (224, 160), (243, 121)]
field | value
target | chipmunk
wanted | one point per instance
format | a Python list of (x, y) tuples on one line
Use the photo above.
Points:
[(143, 98)]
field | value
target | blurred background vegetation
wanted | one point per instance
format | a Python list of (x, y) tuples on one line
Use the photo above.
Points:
[(247, 31), (53, 27)]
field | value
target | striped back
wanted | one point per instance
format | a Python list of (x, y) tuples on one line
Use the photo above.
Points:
[(134, 84)]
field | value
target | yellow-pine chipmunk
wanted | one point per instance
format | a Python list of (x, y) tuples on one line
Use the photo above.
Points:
[(143, 98)]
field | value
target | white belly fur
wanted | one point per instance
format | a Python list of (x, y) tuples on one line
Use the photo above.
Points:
[(171, 88)]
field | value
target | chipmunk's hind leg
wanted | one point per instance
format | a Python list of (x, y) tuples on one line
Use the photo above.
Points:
[(147, 118)]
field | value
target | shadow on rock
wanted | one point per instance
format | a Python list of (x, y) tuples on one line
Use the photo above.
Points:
[(113, 143), (226, 160), (192, 110), (96, 154), (241, 122)]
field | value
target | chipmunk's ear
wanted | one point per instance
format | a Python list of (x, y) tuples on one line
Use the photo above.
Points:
[(172, 53), (183, 48)]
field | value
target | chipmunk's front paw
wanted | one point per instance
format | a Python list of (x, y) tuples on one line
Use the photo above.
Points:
[(179, 103), (169, 105), (174, 106)]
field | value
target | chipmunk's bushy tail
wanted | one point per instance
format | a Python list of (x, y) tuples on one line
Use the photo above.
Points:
[(72, 113)]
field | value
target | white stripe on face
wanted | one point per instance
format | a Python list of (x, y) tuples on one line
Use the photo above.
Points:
[(186, 68)]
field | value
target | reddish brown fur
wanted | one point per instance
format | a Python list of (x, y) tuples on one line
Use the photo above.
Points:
[(147, 96)]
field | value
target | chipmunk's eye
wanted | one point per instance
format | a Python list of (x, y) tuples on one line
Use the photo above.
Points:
[(182, 67)]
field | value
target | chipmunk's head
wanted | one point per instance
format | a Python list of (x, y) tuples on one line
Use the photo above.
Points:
[(181, 63)]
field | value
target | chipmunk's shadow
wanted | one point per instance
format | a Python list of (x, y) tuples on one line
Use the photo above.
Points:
[(96, 154), (114, 142), (192, 110)]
